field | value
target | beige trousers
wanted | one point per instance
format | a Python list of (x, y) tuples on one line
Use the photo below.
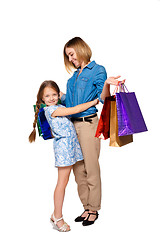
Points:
[(87, 172)]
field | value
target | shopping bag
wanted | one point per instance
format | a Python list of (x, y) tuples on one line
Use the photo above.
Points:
[(115, 140), (130, 118), (102, 131)]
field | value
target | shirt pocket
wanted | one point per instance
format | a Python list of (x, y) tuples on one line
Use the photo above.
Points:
[(83, 82)]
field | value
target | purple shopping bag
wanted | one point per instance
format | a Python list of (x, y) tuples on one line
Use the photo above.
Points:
[(130, 119)]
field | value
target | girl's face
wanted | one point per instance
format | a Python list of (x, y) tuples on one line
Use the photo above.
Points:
[(50, 96), (71, 53)]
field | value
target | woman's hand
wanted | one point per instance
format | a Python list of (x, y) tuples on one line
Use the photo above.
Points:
[(61, 94), (110, 81), (114, 81)]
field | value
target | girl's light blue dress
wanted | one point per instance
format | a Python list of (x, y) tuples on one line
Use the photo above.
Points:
[(65, 142)]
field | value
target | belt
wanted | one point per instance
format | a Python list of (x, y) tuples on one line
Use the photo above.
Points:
[(84, 119)]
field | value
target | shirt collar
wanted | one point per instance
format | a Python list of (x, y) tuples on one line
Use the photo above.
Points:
[(90, 65)]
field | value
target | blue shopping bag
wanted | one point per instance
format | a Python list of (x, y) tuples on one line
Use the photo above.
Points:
[(42, 124)]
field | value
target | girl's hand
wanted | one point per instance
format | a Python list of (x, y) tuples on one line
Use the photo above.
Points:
[(95, 102), (114, 81)]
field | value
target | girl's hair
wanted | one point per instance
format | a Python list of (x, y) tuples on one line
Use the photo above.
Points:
[(82, 50), (47, 83)]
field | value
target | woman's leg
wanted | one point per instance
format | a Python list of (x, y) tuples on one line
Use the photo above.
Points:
[(88, 176), (63, 177), (87, 173)]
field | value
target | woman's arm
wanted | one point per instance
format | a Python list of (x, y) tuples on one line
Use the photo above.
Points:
[(106, 89), (73, 110)]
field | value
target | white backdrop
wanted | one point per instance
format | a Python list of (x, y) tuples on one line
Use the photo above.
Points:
[(124, 37)]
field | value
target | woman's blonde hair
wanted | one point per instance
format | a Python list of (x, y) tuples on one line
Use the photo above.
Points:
[(82, 50), (47, 83)]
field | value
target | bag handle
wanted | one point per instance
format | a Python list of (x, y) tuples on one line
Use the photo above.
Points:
[(124, 87), (121, 87)]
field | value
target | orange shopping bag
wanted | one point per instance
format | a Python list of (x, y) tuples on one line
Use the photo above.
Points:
[(115, 140)]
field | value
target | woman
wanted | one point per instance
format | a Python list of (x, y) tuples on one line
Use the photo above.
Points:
[(87, 83)]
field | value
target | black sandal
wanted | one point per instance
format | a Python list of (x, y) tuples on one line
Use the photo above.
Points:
[(87, 222), (79, 218)]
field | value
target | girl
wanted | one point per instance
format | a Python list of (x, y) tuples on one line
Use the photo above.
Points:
[(89, 81), (66, 146)]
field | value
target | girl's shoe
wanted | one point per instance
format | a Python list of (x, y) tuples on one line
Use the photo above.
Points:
[(64, 227)]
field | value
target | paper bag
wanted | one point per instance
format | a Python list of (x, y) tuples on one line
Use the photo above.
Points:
[(103, 127), (115, 140), (130, 118)]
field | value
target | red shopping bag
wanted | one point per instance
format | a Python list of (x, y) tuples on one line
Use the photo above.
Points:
[(103, 128)]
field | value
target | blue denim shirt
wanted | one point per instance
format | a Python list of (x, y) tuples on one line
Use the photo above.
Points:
[(85, 87)]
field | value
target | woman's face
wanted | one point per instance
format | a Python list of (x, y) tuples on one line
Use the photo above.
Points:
[(71, 53)]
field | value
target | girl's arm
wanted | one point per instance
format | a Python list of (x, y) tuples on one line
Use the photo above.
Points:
[(73, 110)]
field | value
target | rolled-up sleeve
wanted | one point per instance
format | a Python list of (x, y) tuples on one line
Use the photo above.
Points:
[(63, 99), (99, 79)]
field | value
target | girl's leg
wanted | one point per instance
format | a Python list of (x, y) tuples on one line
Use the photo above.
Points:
[(63, 177)]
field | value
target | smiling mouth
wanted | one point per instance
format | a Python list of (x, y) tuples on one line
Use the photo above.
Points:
[(75, 63)]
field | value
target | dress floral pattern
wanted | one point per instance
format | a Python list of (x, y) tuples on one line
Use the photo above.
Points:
[(65, 142)]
